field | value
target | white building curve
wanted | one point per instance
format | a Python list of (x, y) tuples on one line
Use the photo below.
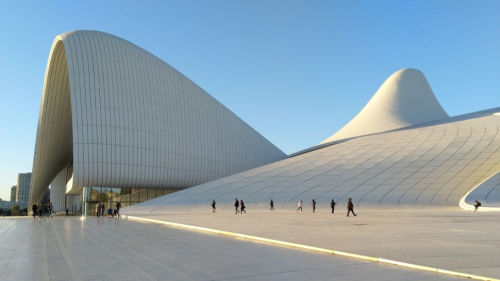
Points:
[(114, 115), (403, 100), (431, 164)]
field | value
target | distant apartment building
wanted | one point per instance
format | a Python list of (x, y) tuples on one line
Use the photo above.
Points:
[(13, 193), (6, 205), (23, 189)]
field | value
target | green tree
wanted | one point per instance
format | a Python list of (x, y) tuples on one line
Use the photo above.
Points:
[(15, 210)]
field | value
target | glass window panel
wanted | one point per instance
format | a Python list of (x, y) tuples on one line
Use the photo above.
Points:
[(125, 198), (125, 191), (151, 194), (159, 193), (143, 195), (95, 194), (134, 195), (106, 194)]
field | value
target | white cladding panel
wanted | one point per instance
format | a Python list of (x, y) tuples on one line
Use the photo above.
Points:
[(58, 192), (135, 121), (404, 99), (434, 165)]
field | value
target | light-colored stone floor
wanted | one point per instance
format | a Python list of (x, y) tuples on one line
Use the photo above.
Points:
[(69, 248), (467, 242)]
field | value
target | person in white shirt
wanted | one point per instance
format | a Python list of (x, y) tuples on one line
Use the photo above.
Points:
[(300, 206)]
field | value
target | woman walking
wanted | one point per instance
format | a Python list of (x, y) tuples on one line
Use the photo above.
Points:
[(242, 207)]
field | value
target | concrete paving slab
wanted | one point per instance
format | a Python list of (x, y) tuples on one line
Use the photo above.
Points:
[(112, 249), (467, 242)]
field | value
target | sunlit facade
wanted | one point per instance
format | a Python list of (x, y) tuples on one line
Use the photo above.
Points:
[(113, 114)]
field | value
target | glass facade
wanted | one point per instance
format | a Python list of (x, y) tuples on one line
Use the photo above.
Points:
[(110, 195)]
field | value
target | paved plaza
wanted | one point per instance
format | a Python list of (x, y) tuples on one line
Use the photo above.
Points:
[(462, 241), (71, 248)]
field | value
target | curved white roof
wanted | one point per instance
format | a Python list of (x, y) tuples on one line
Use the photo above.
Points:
[(405, 99), (114, 115), (433, 165)]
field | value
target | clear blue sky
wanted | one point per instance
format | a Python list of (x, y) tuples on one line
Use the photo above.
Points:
[(296, 71)]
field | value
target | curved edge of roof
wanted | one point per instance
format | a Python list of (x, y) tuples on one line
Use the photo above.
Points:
[(495, 111), (61, 93), (468, 207), (404, 99)]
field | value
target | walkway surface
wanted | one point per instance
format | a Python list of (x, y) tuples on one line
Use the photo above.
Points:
[(69, 248), (467, 242)]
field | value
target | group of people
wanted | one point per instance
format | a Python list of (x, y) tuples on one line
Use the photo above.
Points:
[(240, 204), (237, 205), (100, 209), (350, 206), (38, 210)]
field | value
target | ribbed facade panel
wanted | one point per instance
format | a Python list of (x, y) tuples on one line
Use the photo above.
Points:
[(58, 192), (135, 122), (432, 165)]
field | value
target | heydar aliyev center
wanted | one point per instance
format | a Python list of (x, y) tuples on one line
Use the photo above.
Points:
[(118, 124), (401, 151)]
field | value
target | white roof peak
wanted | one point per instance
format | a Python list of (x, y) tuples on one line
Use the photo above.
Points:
[(404, 99)]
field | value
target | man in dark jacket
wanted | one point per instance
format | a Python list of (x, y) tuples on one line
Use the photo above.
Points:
[(118, 206), (477, 205), (350, 207), (34, 209), (332, 205), (314, 205), (236, 204)]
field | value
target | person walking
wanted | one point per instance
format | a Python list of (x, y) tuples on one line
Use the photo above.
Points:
[(34, 210), (102, 209), (314, 205), (98, 209), (272, 205), (51, 209), (300, 206), (236, 205), (242, 207), (213, 206), (332, 205), (118, 205), (477, 205), (350, 207), (40, 210)]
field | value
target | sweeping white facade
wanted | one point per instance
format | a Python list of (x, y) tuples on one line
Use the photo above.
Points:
[(114, 115), (404, 99), (402, 151)]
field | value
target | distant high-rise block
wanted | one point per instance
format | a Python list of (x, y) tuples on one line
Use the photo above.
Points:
[(23, 189), (13, 193)]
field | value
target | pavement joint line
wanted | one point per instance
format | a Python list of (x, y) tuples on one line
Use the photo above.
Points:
[(312, 248)]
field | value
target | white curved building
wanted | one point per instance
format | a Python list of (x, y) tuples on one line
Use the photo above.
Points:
[(402, 151), (403, 100), (114, 115)]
